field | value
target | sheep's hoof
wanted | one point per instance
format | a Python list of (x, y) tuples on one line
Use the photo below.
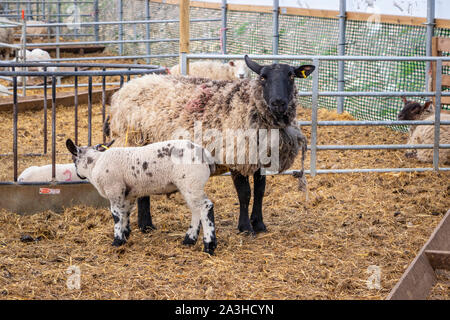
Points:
[(118, 242), (259, 226), (188, 241), (209, 247), (147, 229), (246, 229)]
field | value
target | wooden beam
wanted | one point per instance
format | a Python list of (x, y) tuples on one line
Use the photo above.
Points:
[(443, 44), (438, 259), (62, 98), (419, 277)]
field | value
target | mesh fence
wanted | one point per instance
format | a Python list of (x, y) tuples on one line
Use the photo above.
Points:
[(251, 33)]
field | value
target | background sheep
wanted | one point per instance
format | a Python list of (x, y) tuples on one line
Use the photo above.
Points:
[(215, 70), (123, 174), (6, 36), (153, 107), (37, 31), (425, 134), (64, 172)]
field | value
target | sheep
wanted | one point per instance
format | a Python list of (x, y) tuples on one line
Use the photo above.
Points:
[(63, 172), (36, 55), (425, 134), (154, 108), (123, 174), (215, 70), (39, 31), (6, 36)]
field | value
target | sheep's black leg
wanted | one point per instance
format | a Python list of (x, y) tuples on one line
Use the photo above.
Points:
[(144, 216), (259, 187), (244, 193)]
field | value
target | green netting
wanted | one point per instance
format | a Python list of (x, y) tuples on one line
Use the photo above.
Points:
[(251, 32)]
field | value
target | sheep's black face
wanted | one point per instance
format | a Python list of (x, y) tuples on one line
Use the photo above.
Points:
[(277, 81), (413, 110)]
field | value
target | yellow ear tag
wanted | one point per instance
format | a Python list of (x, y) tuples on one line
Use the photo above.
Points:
[(105, 147), (304, 74)]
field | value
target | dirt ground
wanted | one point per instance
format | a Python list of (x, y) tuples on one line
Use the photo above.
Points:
[(316, 249)]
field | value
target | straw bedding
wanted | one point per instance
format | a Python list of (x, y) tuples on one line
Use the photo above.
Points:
[(316, 249)]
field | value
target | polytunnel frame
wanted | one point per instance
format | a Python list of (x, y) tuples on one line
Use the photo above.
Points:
[(130, 69), (315, 94)]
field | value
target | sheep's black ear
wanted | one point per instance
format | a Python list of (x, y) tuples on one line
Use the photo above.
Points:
[(304, 71), (72, 147), (252, 65)]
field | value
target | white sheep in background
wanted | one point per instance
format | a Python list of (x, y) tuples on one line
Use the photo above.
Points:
[(64, 172), (36, 55), (37, 31), (425, 134), (215, 70), (124, 174), (6, 36)]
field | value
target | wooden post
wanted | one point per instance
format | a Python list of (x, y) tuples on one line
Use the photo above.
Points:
[(184, 36)]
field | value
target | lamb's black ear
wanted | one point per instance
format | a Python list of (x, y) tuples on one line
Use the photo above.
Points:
[(72, 147), (404, 100), (252, 65), (304, 71), (104, 147)]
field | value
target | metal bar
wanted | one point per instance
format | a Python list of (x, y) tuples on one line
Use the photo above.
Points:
[(24, 54), (341, 52), (184, 36), (429, 40), (381, 147), (371, 123), (120, 42), (45, 115), (53, 128), (96, 27), (223, 31), (120, 18), (275, 26), (147, 29), (99, 23), (321, 58), (315, 107), (76, 105), (104, 103), (15, 114), (437, 114), (368, 94), (90, 111)]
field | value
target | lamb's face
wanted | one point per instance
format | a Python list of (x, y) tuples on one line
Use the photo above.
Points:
[(277, 81), (414, 110), (84, 157)]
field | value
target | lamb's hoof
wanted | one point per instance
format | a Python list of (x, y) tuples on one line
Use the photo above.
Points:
[(147, 229), (118, 242), (188, 241), (209, 247), (259, 226)]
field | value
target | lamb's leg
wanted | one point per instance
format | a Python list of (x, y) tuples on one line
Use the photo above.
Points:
[(120, 211), (259, 187), (244, 193), (144, 216), (209, 229)]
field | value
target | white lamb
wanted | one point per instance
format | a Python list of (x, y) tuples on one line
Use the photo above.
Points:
[(64, 172), (124, 174), (216, 70)]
